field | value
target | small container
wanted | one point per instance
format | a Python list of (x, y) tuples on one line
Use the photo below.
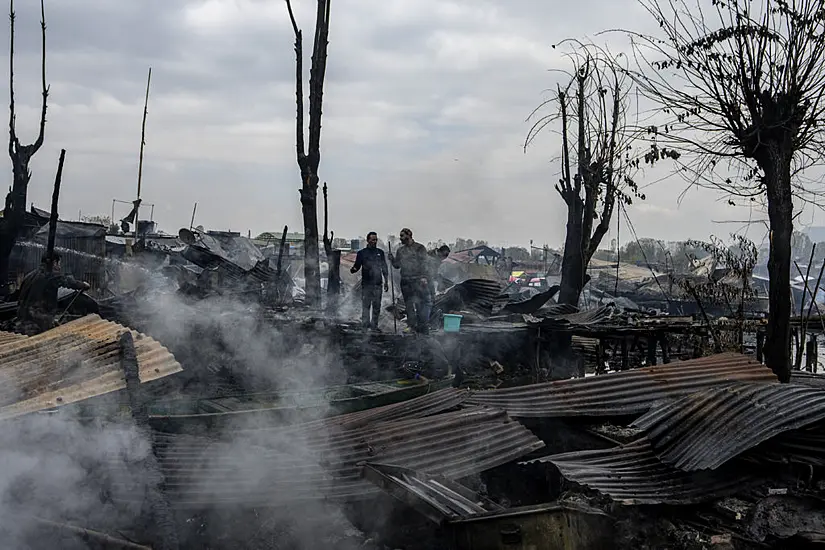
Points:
[(452, 323)]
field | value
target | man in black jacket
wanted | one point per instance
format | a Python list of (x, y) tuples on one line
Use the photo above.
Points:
[(374, 265)]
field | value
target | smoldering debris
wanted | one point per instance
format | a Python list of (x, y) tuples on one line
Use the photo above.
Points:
[(248, 445), (55, 469)]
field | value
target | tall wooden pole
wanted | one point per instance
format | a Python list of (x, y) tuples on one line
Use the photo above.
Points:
[(142, 145), (192, 223)]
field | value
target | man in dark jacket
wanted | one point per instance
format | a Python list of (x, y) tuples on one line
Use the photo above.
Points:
[(374, 270), (413, 262), (436, 257), (37, 303)]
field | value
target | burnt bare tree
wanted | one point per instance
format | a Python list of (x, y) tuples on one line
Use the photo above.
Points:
[(20, 155), (740, 84), (597, 164), (310, 158)]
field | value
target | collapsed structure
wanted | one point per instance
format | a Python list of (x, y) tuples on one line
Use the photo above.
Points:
[(535, 422)]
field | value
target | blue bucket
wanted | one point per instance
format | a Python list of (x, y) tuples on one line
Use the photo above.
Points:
[(452, 323)]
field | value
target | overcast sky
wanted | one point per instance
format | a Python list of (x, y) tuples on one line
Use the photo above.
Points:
[(424, 115)]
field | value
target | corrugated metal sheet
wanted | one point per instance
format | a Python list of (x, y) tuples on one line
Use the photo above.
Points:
[(708, 428), (532, 304), (72, 362), (477, 295), (589, 317), (277, 468), (8, 337), (805, 446), (631, 474), (808, 379), (420, 407), (436, 497), (624, 393), (555, 310)]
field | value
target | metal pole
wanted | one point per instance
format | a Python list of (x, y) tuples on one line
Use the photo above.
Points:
[(192, 223)]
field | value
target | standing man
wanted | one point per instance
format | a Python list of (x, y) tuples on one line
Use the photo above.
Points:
[(37, 303), (436, 257), (413, 261), (374, 265)]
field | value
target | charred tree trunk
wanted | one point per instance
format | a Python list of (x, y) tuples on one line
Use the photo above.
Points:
[(312, 269), (53, 217), (309, 158), (12, 224), (777, 169), (595, 177), (573, 263)]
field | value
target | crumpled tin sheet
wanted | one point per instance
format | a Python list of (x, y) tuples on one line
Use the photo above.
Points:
[(624, 393), (427, 405), (632, 474), (273, 468), (706, 429), (70, 363), (803, 446)]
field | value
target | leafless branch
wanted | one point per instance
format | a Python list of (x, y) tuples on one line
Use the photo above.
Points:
[(316, 79), (725, 88), (12, 134), (299, 89), (45, 89), (596, 137)]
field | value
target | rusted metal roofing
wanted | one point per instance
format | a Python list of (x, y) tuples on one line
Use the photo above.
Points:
[(624, 393), (436, 497), (277, 468), (708, 428), (8, 337), (420, 407), (631, 474), (72, 362)]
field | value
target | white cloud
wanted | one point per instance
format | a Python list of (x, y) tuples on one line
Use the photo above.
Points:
[(423, 123)]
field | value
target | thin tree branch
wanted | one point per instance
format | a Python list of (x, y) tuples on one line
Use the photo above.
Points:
[(45, 89), (299, 90), (12, 134)]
